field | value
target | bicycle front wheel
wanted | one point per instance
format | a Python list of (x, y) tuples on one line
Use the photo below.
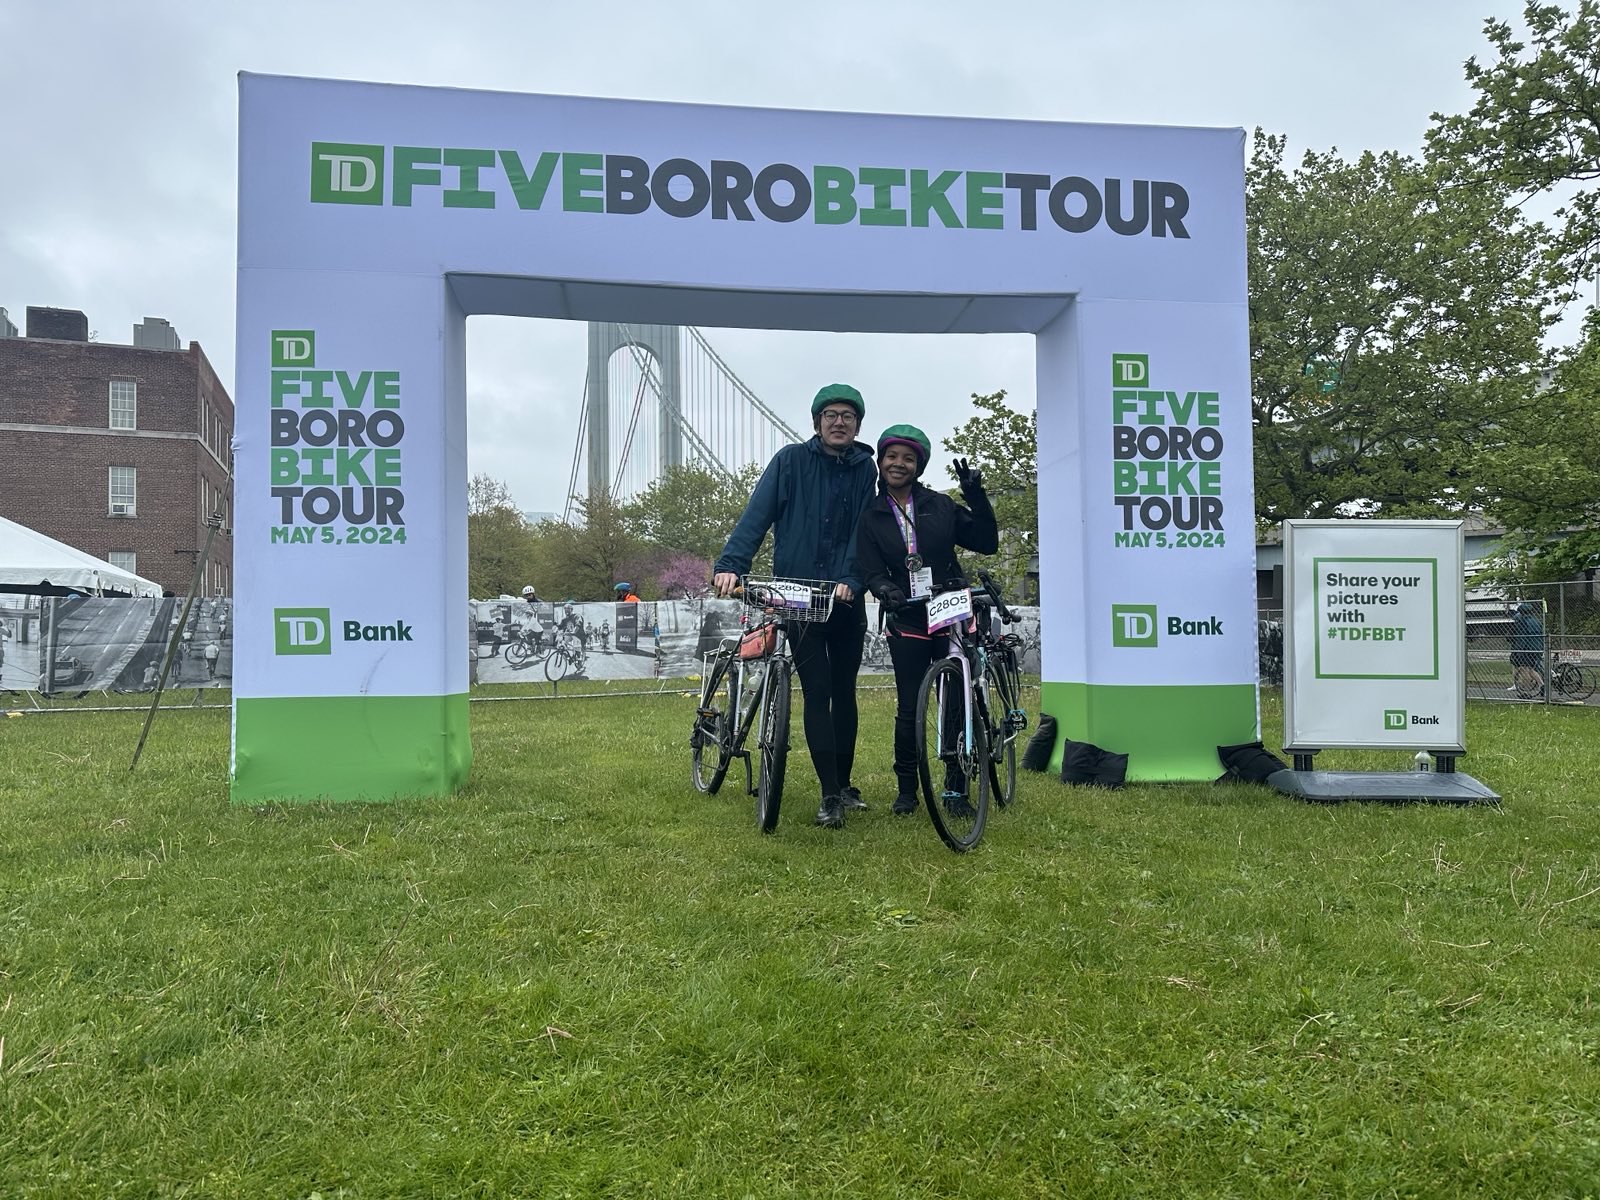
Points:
[(517, 653), (710, 743), (773, 744), (555, 666), (953, 753)]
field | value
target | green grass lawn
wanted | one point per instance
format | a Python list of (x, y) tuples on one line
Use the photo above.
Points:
[(579, 978)]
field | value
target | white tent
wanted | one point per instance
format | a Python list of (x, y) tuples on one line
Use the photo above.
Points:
[(30, 561)]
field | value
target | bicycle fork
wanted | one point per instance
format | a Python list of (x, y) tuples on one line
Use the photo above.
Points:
[(947, 753)]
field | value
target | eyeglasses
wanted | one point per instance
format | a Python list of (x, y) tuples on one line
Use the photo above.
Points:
[(839, 417)]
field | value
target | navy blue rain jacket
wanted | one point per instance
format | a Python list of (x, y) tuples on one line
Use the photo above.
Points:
[(811, 500)]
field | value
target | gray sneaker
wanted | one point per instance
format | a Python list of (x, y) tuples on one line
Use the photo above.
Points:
[(831, 813), (852, 801)]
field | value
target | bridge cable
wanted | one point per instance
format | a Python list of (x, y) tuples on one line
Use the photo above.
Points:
[(713, 463), (755, 400)]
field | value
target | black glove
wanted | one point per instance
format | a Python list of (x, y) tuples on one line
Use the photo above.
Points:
[(892, 599), (969, 477)]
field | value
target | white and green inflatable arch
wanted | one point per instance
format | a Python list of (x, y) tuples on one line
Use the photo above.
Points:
[(374, 219)]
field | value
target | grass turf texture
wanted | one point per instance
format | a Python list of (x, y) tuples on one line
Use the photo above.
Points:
[(579, 978)]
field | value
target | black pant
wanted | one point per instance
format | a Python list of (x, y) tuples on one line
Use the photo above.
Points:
[(827, 657), (911, 656)]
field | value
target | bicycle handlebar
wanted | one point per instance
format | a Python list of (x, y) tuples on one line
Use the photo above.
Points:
[(1006, 615)]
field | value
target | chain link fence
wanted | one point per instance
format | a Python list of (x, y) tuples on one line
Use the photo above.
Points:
[(1526, 643)]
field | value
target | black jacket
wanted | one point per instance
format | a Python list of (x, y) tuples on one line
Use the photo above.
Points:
[(942, 525)]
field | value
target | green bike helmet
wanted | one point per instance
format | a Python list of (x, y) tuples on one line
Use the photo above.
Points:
[(839, 392), (907, 435)]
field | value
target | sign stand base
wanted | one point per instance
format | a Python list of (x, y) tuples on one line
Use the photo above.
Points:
[(1393, 787)]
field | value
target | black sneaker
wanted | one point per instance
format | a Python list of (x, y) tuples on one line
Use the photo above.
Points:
[(906, 803), (958, 807), (852, 801), (831, 814)]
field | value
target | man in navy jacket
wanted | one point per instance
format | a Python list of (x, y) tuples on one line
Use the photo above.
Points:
[(811, 496)]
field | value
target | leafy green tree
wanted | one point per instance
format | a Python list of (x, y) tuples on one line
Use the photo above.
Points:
[(691, 509), (1536, 123), (1395, 330), (1003, 444), (500, 549), (1550, 501), (583, 560)]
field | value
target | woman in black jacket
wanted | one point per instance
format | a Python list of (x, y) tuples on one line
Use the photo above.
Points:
[(906, 546)]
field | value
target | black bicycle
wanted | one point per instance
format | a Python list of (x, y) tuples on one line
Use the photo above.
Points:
[(528, 646), (1570, 679), (969, 713), (566, 658), (746, 687)]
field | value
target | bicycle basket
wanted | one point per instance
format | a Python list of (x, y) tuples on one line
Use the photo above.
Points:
[(791, 599), (759, 642)]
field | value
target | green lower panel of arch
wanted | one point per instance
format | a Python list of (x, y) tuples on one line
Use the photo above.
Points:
[(1168, 733), (304, 749)]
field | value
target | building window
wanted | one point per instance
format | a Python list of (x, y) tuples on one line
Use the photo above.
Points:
[(124, 491), (124, 404), (124, 560)]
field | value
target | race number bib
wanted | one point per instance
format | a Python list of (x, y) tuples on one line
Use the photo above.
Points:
[(946, 610), (793, 595)]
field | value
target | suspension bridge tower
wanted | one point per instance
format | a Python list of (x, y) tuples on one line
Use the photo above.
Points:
[(671, 400), (657, 352)]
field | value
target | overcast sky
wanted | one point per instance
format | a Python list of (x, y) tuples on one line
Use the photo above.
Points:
[(120, 132)]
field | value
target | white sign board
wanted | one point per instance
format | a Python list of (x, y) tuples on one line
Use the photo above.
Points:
[(1376, 636)]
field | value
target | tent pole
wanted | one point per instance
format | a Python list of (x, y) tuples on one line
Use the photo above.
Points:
[(213, 522)]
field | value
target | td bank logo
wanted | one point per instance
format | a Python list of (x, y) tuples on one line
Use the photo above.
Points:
[(1133, 624), (1130, 370), (294, 348), (1394, 718), (1138, 625), (310, 631), (346, 173), (302, 631)]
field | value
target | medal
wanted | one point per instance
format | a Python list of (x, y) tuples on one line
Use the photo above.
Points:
[(913, 563)]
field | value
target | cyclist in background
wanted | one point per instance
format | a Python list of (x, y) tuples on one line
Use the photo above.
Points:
[(1527, 650), (625, 594), (572, 622), (810, 496), (906, 546)]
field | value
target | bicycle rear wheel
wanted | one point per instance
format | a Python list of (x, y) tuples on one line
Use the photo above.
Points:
[(1575, 681), (1003, 732), (773, 743), (1002, 764), (711, 741), (960, 806)]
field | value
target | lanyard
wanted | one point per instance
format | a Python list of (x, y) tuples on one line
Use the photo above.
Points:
[(906, 518)]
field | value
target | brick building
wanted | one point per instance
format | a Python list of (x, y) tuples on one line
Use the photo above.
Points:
[(120, 451)]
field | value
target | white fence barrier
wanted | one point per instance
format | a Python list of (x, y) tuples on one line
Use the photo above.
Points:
[(80, 644)]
